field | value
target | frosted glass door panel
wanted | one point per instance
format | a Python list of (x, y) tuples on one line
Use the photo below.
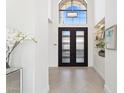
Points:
[(65, 33), (80, 39), (66, 40), (79, 46), (65, 46), (80, 33), (66, 53), (79, 53), (65, 60), (80, 60)]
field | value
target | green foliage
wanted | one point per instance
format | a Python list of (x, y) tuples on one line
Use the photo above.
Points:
[(101, 44)]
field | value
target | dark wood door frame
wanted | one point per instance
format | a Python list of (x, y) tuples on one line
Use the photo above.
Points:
[(73, 29)]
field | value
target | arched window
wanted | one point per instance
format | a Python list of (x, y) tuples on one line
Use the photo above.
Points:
[(73, 12)]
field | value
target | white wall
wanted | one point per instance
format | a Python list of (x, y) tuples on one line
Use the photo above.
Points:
[(50, 50), (27, 16), (50, 10), (99, 62), (41, 68), (54, 33), (111, 55), (99, 10)]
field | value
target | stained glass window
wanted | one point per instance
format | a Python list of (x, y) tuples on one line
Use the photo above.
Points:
[(73, 13)]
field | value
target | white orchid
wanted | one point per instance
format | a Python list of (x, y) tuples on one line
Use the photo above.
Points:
[(14, 38)]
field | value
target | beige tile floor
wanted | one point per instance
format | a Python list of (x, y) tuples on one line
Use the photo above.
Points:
[(75, 80)]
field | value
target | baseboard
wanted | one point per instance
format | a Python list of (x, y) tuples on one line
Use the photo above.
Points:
[(101, 75), (107, 89)]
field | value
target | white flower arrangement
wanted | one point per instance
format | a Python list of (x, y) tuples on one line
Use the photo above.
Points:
[(14, 38)]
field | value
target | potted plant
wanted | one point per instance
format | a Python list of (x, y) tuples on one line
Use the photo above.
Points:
[(101, 45)]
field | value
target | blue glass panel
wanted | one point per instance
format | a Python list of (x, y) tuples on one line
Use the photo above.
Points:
[(81, 17), (73, 7)]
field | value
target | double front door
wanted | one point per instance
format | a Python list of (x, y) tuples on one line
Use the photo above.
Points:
[(73, 43)]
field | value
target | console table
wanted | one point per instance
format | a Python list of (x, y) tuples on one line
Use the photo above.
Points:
[(14, 80)]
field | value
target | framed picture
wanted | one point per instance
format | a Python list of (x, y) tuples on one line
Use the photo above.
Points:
[(111, 37)]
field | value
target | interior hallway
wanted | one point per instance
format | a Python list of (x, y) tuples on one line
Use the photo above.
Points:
[(75, 80)]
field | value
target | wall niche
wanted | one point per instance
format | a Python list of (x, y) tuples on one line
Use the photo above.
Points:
[(100, 37)]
